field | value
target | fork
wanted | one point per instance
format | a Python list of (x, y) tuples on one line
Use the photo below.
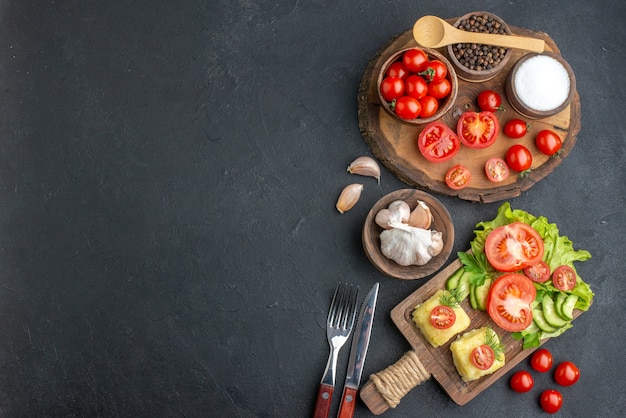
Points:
[(338, 327)]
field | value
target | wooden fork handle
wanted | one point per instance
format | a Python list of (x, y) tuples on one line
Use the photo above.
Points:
[(322, 404)]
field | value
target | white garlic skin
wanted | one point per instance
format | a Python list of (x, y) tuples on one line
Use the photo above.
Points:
[(397, 211), (407, 245)]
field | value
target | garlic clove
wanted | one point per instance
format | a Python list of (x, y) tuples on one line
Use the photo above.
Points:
[(365, 166), (421, 216), (397, 211), (348, 197)]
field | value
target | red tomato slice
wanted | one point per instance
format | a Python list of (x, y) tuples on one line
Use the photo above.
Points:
[(458, 177), (482, 357), (509, 302), (442, 317), (496, 169), (437, 142), (514, 246), (539, 272), (478, 130), (564, 278)]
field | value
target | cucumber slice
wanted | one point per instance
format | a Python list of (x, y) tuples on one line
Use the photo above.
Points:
[(568, 306), (557, 332), (453, 281), (550, 314), (541, 322), (558, 304), (482, 292), (472, 296)]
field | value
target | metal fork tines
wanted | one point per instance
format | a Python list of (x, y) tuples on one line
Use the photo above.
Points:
[(339, 324)]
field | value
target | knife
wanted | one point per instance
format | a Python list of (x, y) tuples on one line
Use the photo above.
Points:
[(360, 342)]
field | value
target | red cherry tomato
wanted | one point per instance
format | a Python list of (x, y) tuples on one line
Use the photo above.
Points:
[(439, 89), (442, 317), (430, 106), (458, 177), (564, 278), (541, 360), (435, 71), (415, 60), (437, 142), (509, 302), (539, 272), (477, 130), (496, 169), (514, 246), (548, 142), (521, 381), (566, 373), (416, 86), (515, 128), (407, 107), (551, 401), (397, 69), (518, 158), (490, 100), (392, 88), (482, 357)]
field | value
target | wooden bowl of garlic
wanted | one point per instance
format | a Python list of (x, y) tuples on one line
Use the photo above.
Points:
[(408, 234)]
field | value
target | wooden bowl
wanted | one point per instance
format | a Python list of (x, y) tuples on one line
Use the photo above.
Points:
[(444, 104), (475, 76), (442, 222), (516, 101)]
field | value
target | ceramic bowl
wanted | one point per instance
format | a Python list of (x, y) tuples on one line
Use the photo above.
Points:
[(442, 222)]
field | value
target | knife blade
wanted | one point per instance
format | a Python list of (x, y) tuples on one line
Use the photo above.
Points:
[(360, 343)]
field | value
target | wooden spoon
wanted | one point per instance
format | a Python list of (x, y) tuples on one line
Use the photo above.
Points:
[(433, 32)]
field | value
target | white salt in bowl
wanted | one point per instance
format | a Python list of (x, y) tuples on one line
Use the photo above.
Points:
[(540, 85)]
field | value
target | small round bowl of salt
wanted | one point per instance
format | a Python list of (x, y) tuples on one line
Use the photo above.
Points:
[(540, 85)]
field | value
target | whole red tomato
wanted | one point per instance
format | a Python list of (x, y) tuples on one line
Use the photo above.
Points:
[(515, 128), (439, 89), (392, 88), (541, 360), (397, 69), (490, 100), (416, 86), (415, 60), (407, 107), (548, 142), (566, 373), (521, 381), (518, 158), (435, 71), (430, 105), (551, 401)]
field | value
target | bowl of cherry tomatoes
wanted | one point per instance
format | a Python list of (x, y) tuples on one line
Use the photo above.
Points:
[(417, 85)]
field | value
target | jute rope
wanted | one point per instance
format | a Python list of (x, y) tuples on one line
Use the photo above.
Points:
[(398, 379)]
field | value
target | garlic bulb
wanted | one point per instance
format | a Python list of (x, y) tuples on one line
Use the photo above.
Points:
[(421, 217), (365, 166), (407, 245), (348, 197), (397, 211)]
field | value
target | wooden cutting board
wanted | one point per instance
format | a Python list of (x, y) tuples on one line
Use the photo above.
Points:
[(394, 143), (438, 361)]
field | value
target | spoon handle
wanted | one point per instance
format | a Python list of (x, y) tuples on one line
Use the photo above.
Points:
[(507, 41)]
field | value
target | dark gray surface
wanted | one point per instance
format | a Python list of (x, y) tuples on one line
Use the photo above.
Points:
[(168, 174)]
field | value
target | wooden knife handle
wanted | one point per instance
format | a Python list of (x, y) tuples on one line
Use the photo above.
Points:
[(324, 398), (348, 402)]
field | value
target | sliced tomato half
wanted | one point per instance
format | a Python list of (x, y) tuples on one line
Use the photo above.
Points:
[(437, 142), (478, 130), (564, 278), (496, 169), (514, 246), (458, 177), (539, 272), (509, 302), (442, 317), (482, 357)]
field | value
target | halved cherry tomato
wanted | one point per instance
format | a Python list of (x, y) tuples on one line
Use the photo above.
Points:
[(548, 142), (397, 69), (477, 130), (415, 60), (407, 107), (430, 105), (551, 401), (496, 169), (519, 158), (416, 86), (482, 357), (489, 100), (442, 317), (541, 360), (392, 88), (566, 373), (437, 142), (435, 71), (539, 272), (564, 278), (439, 89), (458, 177), (515, 128), (521, 381), (514, 246), (509, 302)]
